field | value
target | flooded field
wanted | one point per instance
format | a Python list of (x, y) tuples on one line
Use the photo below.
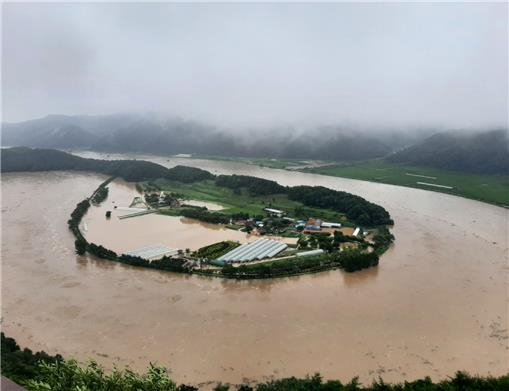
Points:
[(437, 303), (132, 233)]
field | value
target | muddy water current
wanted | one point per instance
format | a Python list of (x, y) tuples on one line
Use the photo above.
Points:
[(437, 303)]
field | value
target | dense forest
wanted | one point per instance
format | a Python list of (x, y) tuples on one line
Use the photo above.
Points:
[(482, 153), (27, 159), (255, 186), (356, 208), (41, 372)]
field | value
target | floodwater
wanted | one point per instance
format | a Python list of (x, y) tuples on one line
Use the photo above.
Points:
[(129, 234), (206, 204), (124, 235), (437, 303)]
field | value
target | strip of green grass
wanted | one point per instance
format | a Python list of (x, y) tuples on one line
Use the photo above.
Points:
[(487, 188)]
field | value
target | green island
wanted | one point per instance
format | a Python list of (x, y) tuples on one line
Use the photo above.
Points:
[(40, 371), (489, 188), (250, 205)]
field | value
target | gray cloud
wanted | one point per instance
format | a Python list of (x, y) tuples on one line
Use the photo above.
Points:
[(405, 65)]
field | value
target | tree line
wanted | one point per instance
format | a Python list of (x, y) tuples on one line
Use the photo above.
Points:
[(255, 186), (27, 159)]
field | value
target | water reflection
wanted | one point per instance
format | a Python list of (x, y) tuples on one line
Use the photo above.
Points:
[(352, 280)]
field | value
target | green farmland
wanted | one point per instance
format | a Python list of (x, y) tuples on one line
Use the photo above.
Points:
[(487, 188), (241, 202)]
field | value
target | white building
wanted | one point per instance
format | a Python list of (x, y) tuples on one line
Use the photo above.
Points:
[(274, 212), (330, 225)]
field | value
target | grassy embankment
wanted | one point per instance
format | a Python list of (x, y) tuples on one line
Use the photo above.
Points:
[(487, 188), (242, 203)]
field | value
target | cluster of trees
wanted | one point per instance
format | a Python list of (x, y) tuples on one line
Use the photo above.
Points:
[(187, 174), (328, 242), (356, 208), (101, 252), (382, 238), (166, 263), (41, 372), (461, 381), (203, 214), (100, 195), (255, 186), (27, 159), (352, 260), (216, 250), (20, 365), (76, 216), (102, 191)]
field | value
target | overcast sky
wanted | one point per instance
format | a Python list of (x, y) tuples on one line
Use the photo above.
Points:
[(398, 64)]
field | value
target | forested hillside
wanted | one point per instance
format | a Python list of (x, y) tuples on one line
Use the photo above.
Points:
[(481, 153)]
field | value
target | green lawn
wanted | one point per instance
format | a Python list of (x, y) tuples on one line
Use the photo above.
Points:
[(488, 188), (235, 203)]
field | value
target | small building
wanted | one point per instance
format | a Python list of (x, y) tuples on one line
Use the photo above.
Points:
[(356, 232), (330, 225), (313, 225), (162, 198), (274, 212)]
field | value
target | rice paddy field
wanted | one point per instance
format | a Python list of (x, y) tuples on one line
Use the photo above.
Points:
[(493, 189)]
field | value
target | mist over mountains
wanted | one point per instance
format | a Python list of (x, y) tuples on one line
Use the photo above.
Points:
[(485, 152), (151, 133)]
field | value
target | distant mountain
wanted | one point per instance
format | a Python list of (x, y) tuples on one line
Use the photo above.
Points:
[(483, 153), (151, 133)]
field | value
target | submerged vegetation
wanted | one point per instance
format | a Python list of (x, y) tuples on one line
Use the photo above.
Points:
[(41, 372)]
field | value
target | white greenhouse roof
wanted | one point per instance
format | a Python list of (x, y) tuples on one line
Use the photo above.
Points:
[(153, 252), (259, 249)]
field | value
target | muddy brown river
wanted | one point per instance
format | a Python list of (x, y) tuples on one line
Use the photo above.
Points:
[(437, 303)]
